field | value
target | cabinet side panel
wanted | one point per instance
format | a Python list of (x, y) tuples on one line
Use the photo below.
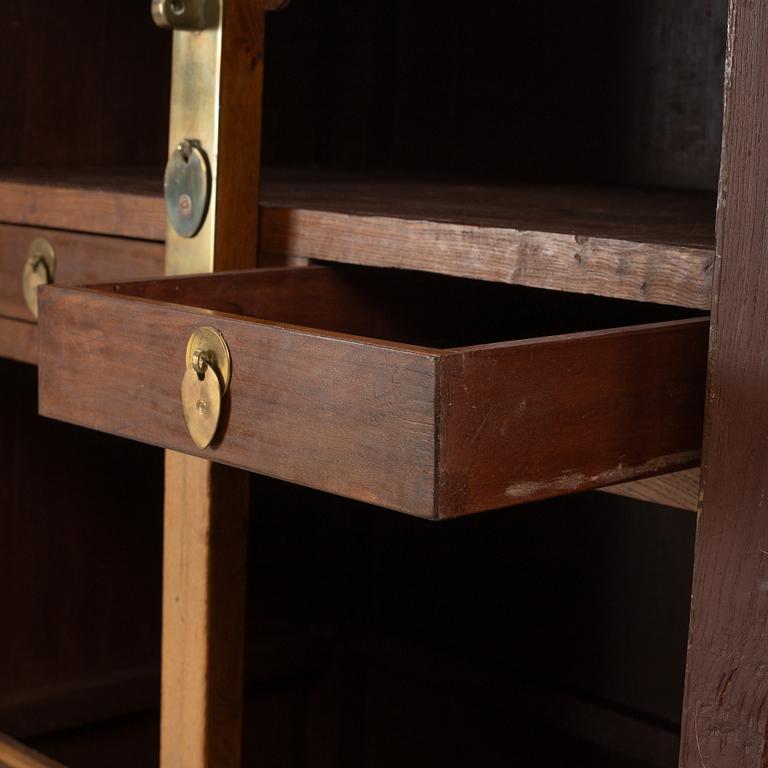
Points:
[(725, 718)]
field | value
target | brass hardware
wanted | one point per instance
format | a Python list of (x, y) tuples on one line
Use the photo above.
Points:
[(187, 188), (40, 269), (225, 122), (185, 14), (205, 382)]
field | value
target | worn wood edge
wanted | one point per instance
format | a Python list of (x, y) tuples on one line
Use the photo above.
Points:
[(679, 490), (684, 459), (648, 272), (18, 340), (16, 755)]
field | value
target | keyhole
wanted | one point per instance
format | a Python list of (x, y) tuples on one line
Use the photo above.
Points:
[(185, 150)]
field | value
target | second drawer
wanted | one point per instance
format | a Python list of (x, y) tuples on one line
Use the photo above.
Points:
[(78, 259)]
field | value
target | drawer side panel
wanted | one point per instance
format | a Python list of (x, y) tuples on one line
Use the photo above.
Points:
[(528, 421)]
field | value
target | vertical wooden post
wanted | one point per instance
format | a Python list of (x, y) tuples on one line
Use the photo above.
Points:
[(206, 513), (726, 708), (216, 101)]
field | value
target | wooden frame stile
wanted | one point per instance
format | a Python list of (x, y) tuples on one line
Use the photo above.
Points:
[(725, 722), (216, 100)]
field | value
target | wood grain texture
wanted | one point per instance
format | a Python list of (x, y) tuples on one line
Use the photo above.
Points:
[(111, 108), (726, 718), (79, 259), (641, 245), (204, 553), (539, 418), (18, 340), (301, 405), (679, 490), (16, 755), (644, 245), (239, 134), (111, 201), (363, 417)]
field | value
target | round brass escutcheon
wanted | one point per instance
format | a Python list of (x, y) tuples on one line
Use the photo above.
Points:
[(187, 188), (216, 353), (39, 269), (201, 398)]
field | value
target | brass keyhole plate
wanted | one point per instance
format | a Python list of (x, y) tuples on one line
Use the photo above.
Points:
[(206, 380), (212, 343), (187, 188), (201, 397), (39, 269)]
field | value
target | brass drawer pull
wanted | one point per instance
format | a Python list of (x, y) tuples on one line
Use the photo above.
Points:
[(39, 269), (206, 380)]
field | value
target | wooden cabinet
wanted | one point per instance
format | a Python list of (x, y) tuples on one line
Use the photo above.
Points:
[(491, 242)]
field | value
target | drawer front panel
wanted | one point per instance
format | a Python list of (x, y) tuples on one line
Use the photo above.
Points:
[(522, 422), (343, 415), (79, 259)]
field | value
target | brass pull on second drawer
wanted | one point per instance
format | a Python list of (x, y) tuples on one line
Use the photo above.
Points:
[(205, 382), (39, 269)]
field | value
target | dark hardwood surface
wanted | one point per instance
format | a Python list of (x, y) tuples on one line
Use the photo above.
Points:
[(80, 89), (18, 340), (122, 202), (551, 91), (534, 420), (447, 659), (726, 719), (412, 418), (80, 623), (645, 245), (79, 259)]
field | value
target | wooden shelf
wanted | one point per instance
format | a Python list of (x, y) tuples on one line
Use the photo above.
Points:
[(644, 245), (124, 202)]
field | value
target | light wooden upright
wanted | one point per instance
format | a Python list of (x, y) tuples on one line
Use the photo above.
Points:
[(216, 99)]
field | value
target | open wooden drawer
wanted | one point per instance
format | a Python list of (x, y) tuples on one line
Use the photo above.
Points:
[(426, 394)]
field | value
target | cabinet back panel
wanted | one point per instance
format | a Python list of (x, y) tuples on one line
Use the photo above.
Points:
[(625, 93)]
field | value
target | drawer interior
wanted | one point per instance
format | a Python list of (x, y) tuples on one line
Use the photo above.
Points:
[(402, 306)]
